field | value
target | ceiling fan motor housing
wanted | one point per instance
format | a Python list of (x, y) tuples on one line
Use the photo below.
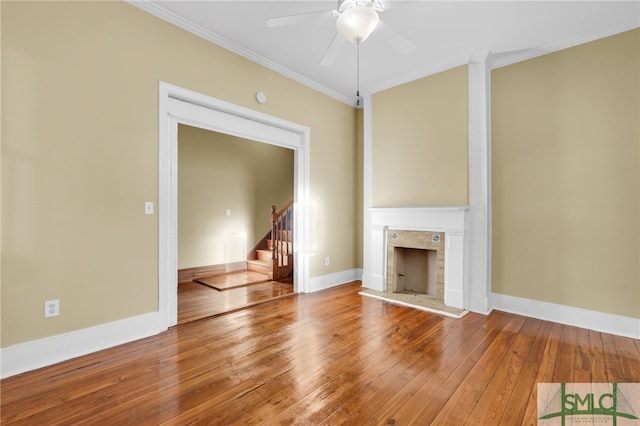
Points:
[(357, 21)]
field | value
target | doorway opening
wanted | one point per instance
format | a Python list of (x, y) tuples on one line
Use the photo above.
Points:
[(227, 186), (181, 106)]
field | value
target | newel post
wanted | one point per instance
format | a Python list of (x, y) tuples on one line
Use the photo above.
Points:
[(274, 218)]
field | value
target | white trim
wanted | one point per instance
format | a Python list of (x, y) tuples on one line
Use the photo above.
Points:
[(498, 62), (450, 220), (569, 315), (324, 282), (179, 105), (478, 297), (372, 276), (446, 218), (158, 11), (51, 350), (416, 74), (475, 291), (155, 9), (556, 47), (453, 297)]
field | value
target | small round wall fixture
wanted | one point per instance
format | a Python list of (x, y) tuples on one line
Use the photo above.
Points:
[(261, 97)]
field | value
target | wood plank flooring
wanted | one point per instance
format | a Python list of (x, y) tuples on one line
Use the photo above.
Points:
[(239, 290), (327, 358), (233, 280)]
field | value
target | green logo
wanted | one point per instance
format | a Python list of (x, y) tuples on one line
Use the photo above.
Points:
[(580, 403)]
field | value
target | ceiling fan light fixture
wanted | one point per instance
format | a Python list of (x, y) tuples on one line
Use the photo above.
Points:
[(357, 22)]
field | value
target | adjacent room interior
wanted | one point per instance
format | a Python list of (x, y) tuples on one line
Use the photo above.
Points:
[(226, 189)]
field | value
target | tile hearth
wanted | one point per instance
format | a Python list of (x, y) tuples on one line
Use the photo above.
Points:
[(418, 301)]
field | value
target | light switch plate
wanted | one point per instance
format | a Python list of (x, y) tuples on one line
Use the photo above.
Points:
[(148, 207)]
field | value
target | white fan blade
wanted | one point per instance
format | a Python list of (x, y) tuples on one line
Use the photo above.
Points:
[(332, 51), (394, 39), (300, 18), (381, 6)]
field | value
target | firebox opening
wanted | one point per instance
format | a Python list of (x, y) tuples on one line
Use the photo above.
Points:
[(415, 271)]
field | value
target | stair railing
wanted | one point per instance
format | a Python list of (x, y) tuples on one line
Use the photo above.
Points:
[(281, 236)]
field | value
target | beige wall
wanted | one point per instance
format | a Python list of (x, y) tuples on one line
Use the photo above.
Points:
[(80, 153), (420, 142), (566, 177), (217, 172)]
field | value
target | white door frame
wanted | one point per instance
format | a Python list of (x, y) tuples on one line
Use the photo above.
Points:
[(178, 105)]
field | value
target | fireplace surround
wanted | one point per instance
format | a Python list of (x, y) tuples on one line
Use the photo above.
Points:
[(420, 224)]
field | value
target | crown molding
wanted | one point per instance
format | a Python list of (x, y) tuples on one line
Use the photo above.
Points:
[(496, 60), (417, 74), (555, 47), (396, 80), (172, 18)]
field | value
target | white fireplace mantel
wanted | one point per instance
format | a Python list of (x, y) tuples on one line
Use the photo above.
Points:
[(453, 221), (476, 232)]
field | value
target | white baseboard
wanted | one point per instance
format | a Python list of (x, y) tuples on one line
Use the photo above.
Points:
[(480, 305), (40, 353), (51, 350), (324, 282), (578, 317)]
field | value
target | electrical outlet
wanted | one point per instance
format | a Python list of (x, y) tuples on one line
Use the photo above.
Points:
[(51, 308), (327, 261)]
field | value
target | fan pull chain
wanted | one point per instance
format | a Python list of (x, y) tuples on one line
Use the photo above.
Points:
[(358, 72)]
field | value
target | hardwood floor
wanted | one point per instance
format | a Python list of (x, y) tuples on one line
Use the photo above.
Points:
[(327, 358), (233, 280), (227, 293)]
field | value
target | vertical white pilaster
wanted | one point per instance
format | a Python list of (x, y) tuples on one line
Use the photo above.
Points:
[(454, 261), (373, 270), (479, 294)]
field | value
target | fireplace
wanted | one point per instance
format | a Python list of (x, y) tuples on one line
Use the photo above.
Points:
[(411, 234), (414, 271), (415, 263)]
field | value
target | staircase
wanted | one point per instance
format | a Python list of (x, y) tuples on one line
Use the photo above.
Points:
[(273, 255)]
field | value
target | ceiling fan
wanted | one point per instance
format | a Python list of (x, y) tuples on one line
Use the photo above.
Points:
[(355, 21)]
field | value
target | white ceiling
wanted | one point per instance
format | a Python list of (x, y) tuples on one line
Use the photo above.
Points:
[(445, 34)]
